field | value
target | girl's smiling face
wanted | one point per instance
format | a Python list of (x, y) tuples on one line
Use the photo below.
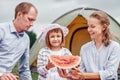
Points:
[(55, 39)]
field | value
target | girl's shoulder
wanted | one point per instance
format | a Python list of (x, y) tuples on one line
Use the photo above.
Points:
[(66, 51), (44, 49)]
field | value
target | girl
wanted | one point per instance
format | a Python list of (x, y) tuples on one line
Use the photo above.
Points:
[(54, 37)]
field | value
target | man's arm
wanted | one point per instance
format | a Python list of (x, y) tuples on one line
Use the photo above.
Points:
[(24, 69)]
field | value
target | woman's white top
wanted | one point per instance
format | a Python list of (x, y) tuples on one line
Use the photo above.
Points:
[(105, 60)]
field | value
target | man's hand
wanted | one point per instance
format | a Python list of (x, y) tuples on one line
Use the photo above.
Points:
[(8, 76)]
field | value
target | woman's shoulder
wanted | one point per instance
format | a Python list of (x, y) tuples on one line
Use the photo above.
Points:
[(114, 43), (88, 44), (66, 51)]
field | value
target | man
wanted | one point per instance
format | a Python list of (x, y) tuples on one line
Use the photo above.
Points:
[(14, 42)]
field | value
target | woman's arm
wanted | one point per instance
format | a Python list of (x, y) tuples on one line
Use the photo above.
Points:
[(77, 74), (91, 76)]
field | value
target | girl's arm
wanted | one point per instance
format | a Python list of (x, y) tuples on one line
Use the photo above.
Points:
[(42, 62)]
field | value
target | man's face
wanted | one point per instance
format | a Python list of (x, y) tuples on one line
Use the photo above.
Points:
[(26, 20)]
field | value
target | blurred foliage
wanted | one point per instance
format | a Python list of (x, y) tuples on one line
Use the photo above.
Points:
[(32, 37)]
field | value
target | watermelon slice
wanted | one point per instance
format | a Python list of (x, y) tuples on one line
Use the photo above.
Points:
[(65, 62)]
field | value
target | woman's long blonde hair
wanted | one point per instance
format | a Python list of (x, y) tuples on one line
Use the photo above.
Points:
[(104, 20)]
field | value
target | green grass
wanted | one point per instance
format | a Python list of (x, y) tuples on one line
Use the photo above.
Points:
[(34, 76), (15, 72)]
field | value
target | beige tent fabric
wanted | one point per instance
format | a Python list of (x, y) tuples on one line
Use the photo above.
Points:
[(76, 21)]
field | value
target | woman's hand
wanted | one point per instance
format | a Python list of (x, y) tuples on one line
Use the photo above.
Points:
[(76, 74), (62, 73), (49, 65)]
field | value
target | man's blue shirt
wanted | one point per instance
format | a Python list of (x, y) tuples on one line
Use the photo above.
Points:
[(14, 47)]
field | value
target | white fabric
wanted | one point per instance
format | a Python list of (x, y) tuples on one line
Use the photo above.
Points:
[(43, 56)]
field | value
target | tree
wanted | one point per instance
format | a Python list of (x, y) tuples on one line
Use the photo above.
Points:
[(32, 37)]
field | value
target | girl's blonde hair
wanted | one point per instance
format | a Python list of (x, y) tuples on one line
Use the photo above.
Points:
[(56, 30), (103, 18)]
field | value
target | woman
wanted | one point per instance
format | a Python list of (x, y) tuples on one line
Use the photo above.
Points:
[(100, 57)]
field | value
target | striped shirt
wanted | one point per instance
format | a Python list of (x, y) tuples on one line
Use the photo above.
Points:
[(43, 56)]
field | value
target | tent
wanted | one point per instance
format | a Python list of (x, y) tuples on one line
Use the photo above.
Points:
[(76, 21)]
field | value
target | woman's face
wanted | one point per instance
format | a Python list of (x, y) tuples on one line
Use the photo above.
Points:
[(95, 29), (55, 39)]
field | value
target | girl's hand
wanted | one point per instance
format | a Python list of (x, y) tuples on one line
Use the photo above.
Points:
[(49, 65)]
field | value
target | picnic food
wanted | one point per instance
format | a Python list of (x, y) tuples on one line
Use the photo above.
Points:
[(65, 62)]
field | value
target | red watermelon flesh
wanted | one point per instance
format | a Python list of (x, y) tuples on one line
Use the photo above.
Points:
[(65, 62)]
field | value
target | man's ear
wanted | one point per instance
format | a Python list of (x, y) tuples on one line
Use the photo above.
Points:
[(19, 13)]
